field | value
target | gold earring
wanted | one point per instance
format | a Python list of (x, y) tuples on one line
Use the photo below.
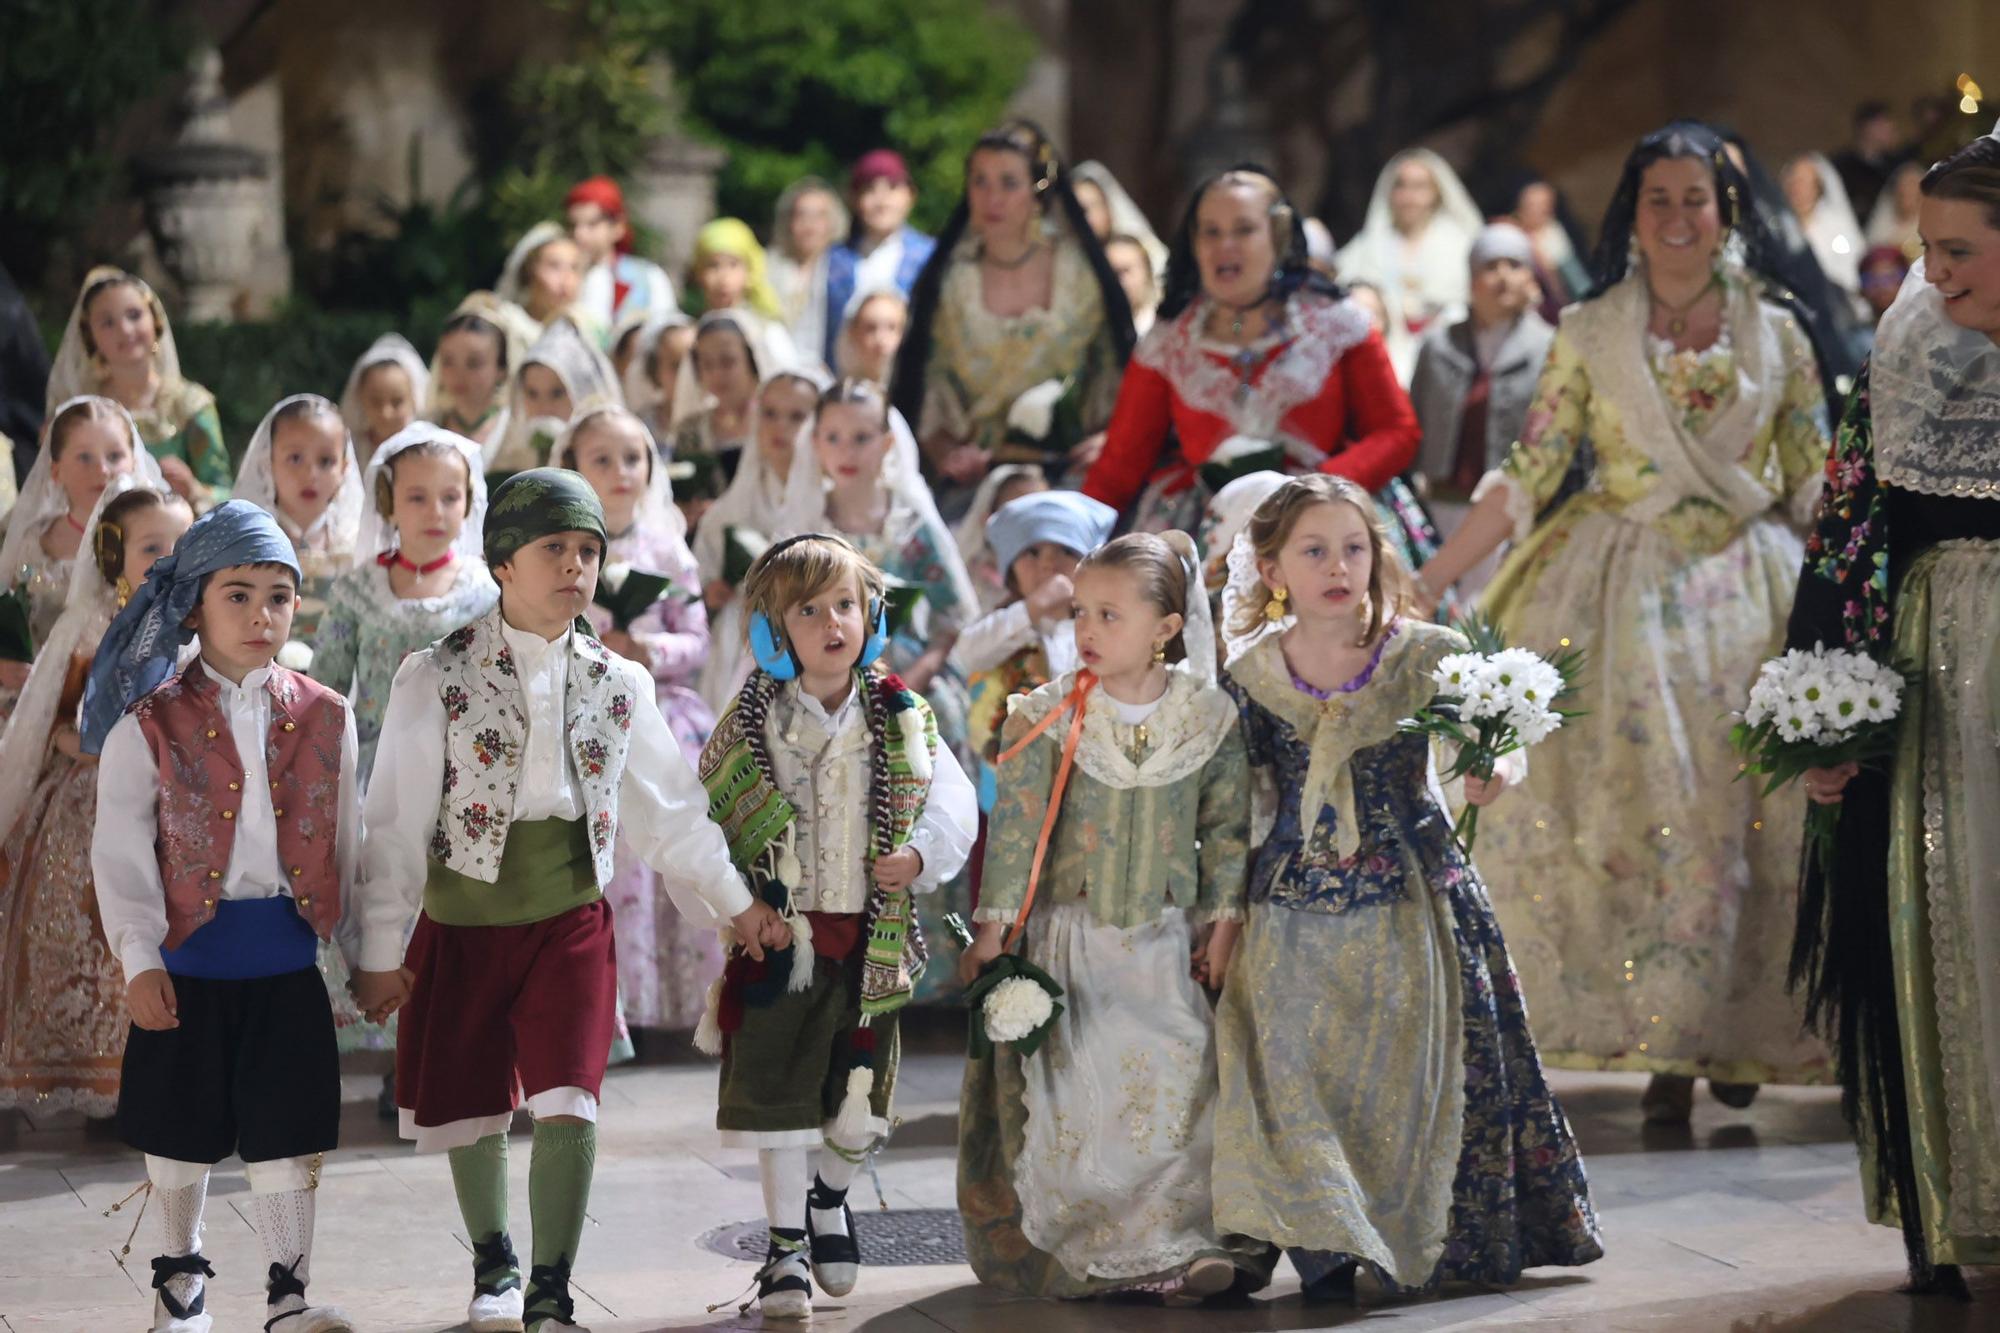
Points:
[(1274, 610), (1159, 654)]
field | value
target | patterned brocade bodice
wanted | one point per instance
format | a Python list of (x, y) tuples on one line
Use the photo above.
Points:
[(1397, 817)]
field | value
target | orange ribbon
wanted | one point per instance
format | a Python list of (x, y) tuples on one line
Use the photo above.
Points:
[(1085, 682)]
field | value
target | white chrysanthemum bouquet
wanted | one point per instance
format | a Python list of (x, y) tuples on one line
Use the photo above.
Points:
[(1012, 1001), (1818, 709), (1493, 701)]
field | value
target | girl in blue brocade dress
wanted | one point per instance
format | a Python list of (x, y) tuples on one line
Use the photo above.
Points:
[(1382, 1105)]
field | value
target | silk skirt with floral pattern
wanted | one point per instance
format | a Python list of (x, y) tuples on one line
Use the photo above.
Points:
[(1648, 896), (1381, 1098), (62, 992), (1085, 1168)]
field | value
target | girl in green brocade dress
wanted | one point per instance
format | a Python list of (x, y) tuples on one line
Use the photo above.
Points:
[(1084, 1166), (118, 343)]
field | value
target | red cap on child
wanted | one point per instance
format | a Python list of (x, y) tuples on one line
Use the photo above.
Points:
[(599, 190), (878, 164)]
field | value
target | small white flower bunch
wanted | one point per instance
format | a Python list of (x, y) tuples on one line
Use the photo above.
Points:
[(1823, 697), (1493, 701), (1513, 687), (1015, 1008), (613, 576), (1033, 413)]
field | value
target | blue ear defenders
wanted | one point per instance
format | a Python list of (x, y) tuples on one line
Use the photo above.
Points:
[(777, 660)]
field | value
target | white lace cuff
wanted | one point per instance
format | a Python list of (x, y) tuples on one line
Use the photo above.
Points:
[(990, 915), (1520, 504)]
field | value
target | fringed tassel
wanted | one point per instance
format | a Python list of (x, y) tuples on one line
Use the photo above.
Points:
[(708, 1032), (916, 752), (801, 978), (850, 1125)]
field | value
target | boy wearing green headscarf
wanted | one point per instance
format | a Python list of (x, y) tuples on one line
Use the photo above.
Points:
[(515, 751)]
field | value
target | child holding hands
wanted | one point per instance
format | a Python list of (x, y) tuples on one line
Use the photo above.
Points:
[(838, 803), (1370, 945)]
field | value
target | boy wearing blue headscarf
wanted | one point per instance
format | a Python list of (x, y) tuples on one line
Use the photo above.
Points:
[(224, 852)]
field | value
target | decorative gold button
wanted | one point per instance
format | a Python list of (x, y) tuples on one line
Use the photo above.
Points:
[(296, 872), (208, 902), (290, 727), (274, 784), (279, 814), (305, 900), (229, 814), (236, 786), (211, 733), (215, 874)]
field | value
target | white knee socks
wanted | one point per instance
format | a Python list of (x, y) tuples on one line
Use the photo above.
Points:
[(180, 1192), (283, 1197), (782, 1172)]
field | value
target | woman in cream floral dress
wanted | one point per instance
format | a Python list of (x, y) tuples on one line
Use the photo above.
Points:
[(1647, 895)]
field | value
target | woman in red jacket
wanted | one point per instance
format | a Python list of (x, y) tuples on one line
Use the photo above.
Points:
[(1256, 363)]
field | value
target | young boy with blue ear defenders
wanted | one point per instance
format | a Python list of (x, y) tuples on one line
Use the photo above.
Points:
[(826, 776)]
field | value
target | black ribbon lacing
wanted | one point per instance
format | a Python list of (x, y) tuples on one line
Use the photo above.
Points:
[(495, 1256), (166, 1268), (548, 1291)]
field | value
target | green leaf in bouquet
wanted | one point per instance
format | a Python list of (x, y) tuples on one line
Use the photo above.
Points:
[(696, 475), (17, 635), (1217, 473), (633, 597), (740, 548), (902, 597)]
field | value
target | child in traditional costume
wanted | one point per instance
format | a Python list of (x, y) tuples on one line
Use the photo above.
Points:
[(839, 803), (86, 442), (1124, 798), (666, 961), (563, 374), (1030, 639), (62, 995), (1005, 483), (1382, 1106), (387, 389), (746, 516), (524, 749), (138, 365), (713, 406), (476, 351), (300, 469), (224, 853), (861, 479)]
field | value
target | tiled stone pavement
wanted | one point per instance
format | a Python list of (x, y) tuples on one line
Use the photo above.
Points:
[(1747, 1222)]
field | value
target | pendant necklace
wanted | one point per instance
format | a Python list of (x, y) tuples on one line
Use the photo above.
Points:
[(1677, 315)]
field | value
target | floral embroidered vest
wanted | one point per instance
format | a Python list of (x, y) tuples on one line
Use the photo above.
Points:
[(201, 793), (486, 734)]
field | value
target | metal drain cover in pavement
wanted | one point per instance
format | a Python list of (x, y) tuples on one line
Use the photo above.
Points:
[(900, 1238)]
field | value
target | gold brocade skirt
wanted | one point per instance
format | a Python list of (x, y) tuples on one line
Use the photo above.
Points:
[(1647, 896)]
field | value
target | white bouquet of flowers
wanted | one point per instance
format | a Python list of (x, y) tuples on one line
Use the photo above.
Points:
[(1047, 416), (1012, 1001), (1818, 709), (1493, 701)]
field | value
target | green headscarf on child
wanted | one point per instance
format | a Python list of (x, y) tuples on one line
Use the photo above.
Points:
[(535, 503)]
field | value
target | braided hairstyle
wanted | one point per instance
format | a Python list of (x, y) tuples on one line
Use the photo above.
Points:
[(1051, 182)]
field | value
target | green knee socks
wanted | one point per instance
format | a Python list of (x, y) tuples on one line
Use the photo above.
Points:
[(479, 1175), (559, 1189), (558, 1192)]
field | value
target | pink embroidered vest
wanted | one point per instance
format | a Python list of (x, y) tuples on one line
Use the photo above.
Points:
[(201, 793)]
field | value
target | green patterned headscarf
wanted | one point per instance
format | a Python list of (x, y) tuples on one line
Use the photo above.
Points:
[(535, 503)]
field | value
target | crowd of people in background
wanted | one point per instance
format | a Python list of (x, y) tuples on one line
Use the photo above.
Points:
[(1654, 443)]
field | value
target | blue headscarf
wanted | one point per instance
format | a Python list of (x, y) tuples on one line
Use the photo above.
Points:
[(139, 650)]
